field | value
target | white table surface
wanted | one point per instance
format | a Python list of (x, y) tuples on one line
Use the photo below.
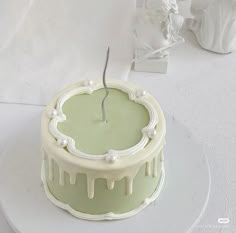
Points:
[(200, 91)]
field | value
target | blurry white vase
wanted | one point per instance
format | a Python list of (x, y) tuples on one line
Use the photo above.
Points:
[(214, 24)]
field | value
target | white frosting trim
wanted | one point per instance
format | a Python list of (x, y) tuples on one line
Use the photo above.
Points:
[(107, 216), (128, 174), (111, 169), (135, 95)]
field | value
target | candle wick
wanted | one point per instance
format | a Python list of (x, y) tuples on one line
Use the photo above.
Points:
[(104, 118)]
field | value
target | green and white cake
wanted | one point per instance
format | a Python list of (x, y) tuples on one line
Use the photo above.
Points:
[(103, 170)]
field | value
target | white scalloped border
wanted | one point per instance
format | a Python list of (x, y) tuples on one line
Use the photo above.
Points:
[(88, 89), (107, 216)]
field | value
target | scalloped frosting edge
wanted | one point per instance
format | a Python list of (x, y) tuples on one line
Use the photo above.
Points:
[(136, 95)]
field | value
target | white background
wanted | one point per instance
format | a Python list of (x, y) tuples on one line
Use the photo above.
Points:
[(199, 90), (47, 45)]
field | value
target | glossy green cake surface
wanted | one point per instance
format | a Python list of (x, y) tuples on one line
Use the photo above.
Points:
[(116, 201), (125, 121)]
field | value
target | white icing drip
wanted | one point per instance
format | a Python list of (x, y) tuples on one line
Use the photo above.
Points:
[(148, 168), (91, 177), (50, 169), (155, 171), (110, 184), (44, 156), (61, 177), (72, 178), (70, 142), (129, 185), (90, 186), (162, 156), (107, 216), (146, 201)]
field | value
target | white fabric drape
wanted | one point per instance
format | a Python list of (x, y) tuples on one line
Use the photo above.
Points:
[(45, 45)]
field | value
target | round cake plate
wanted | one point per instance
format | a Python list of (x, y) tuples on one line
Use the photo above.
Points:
[(178, 208)]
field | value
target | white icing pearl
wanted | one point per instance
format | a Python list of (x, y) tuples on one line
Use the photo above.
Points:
[(62, 142), (52, 113), (140, 93), (151, 133), (111, 157), (88, 83), (146, 201)]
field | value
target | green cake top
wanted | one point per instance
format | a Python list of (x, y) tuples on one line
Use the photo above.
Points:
[(78, 126), (125, 121)]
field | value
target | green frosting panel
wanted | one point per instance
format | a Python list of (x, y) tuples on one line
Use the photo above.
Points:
[(125, 121), (104, 201)]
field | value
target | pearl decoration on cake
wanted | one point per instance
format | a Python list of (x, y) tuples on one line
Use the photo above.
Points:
[(146, 201), (111, 157), (52, 113), (62, 142), (88, 83), (140, 93), (151, 133)]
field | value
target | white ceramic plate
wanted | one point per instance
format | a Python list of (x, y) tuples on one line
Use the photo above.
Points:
[(180, 205)]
